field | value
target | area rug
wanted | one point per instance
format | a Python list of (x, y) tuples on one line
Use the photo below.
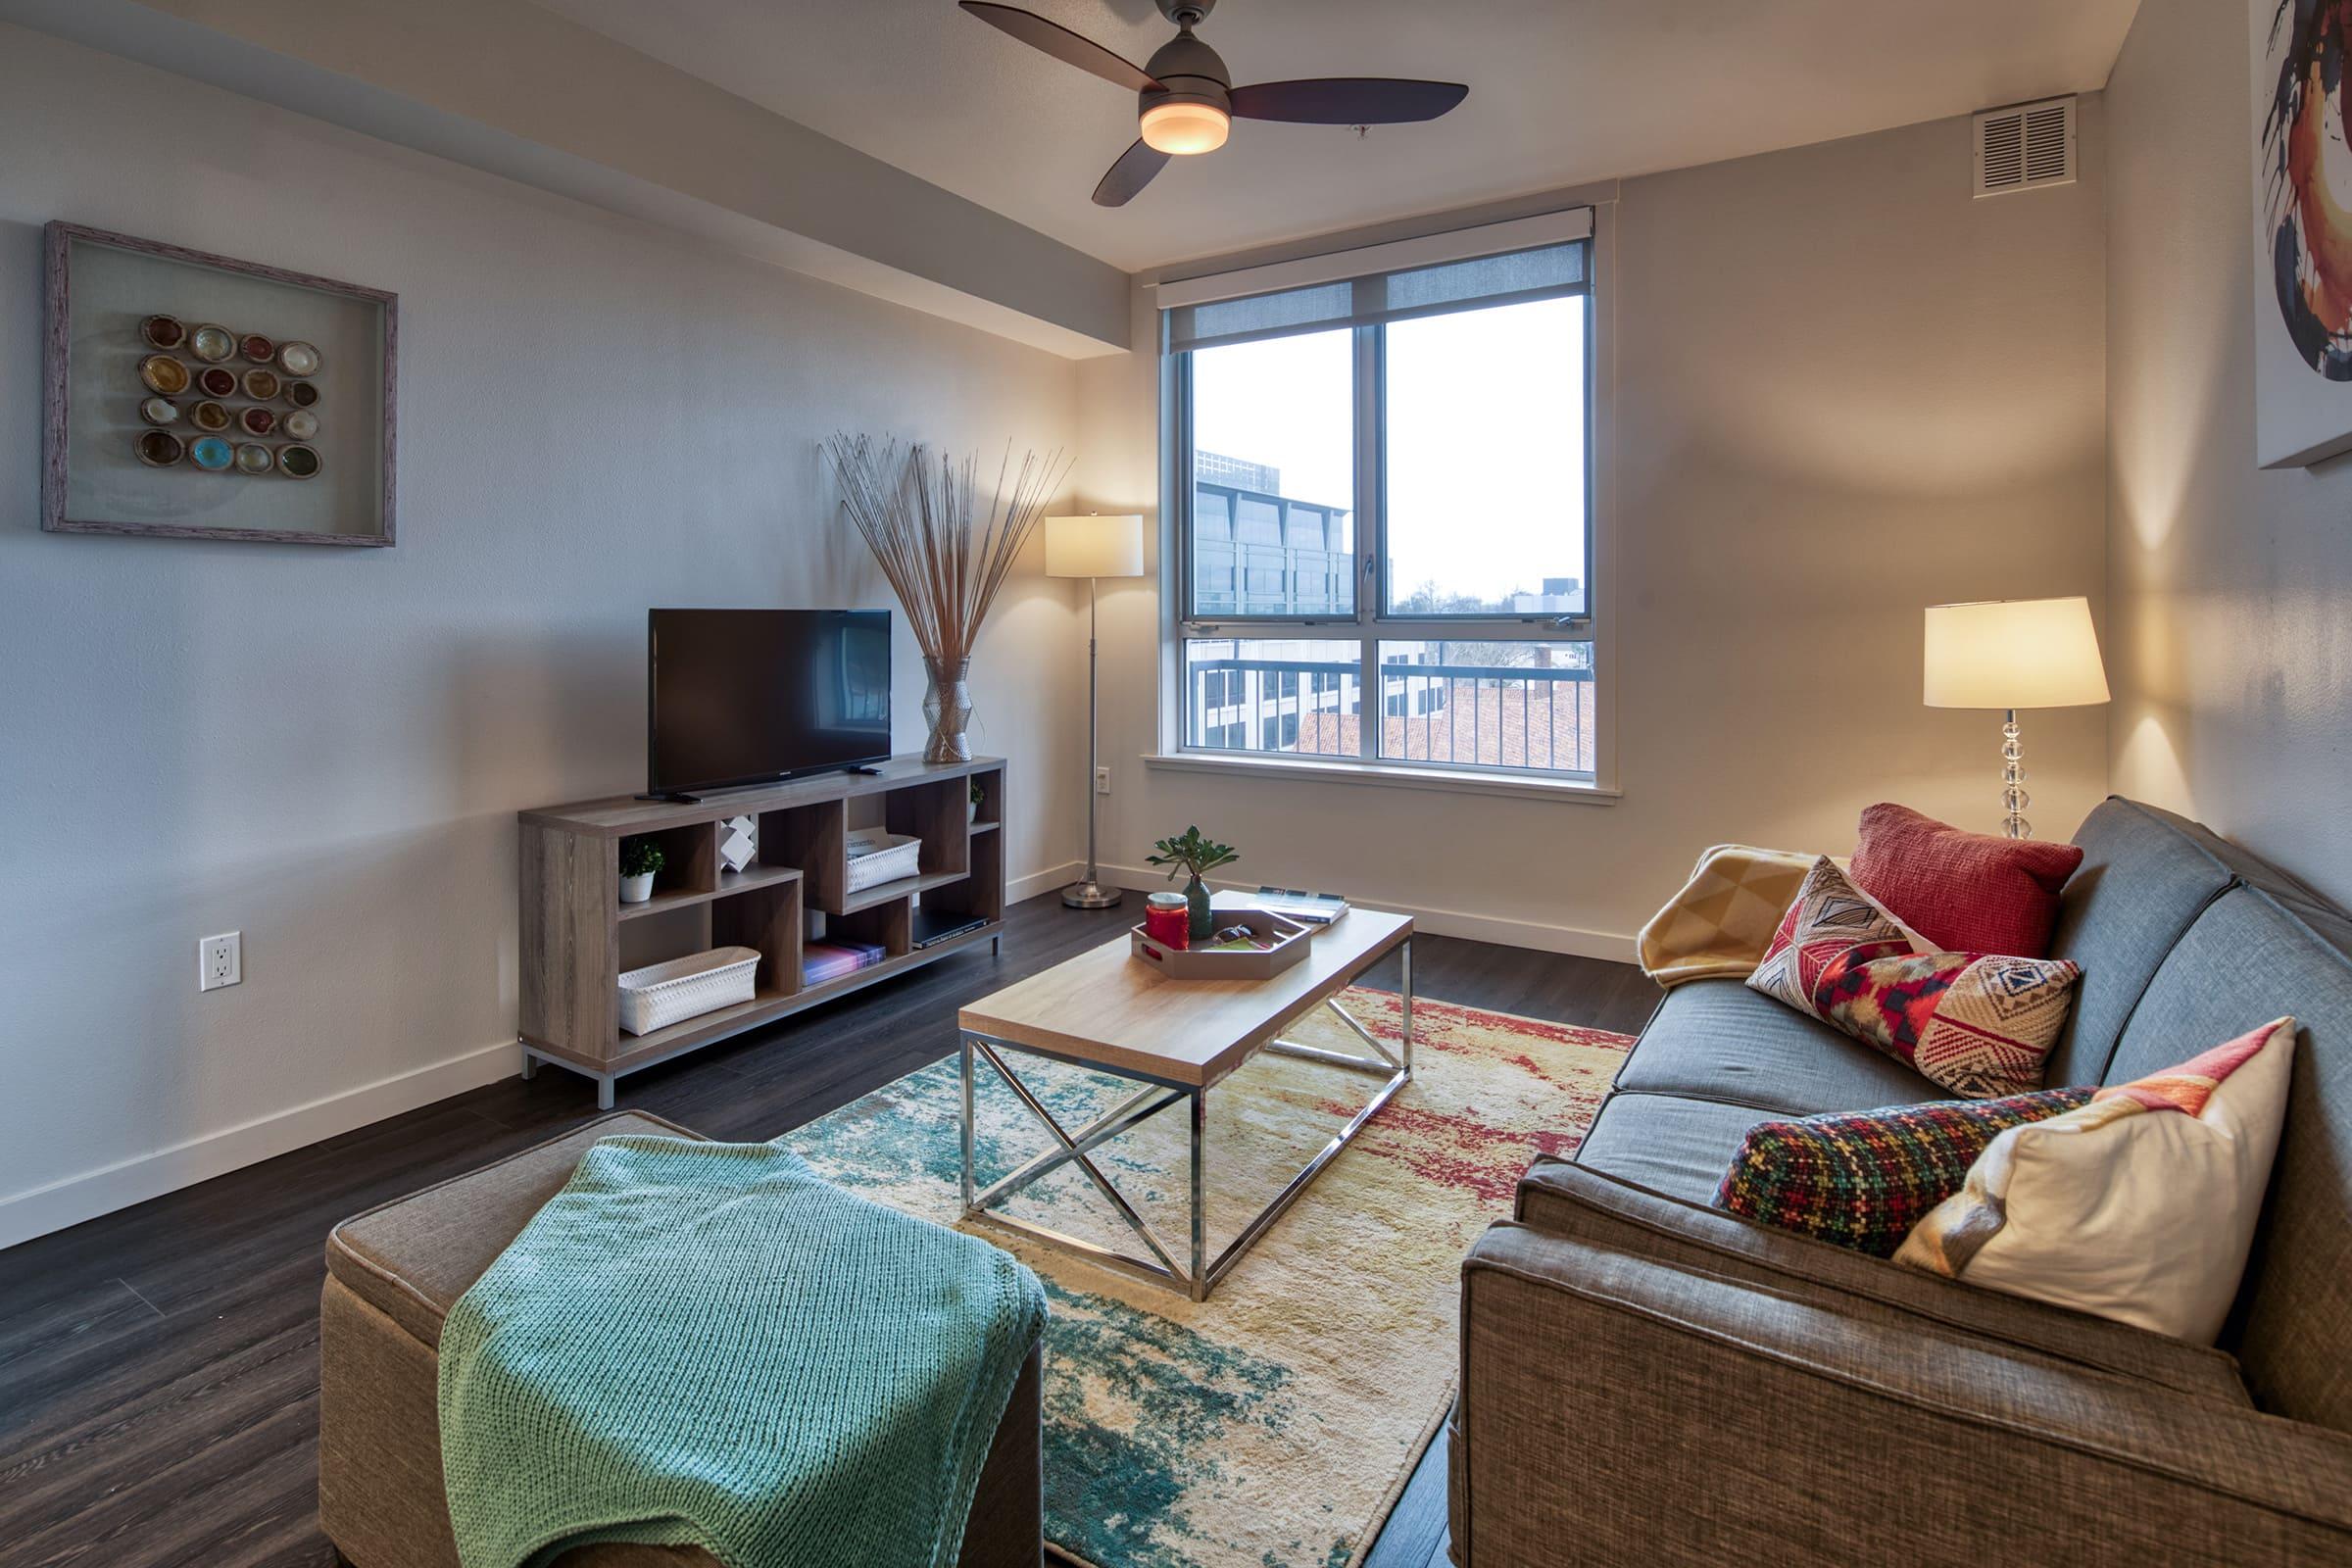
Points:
[(1274, 1425)]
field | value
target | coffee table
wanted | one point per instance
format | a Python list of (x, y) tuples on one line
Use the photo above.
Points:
[(1179, 1039)]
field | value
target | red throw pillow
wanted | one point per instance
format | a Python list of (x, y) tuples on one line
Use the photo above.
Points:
[(1964, 892)]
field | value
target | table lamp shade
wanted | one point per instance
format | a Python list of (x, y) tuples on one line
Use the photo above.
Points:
[(1095, 547), (2012, 653)]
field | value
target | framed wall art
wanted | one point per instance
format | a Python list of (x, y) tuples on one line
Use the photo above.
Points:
[(193, 396), (2302, 234)]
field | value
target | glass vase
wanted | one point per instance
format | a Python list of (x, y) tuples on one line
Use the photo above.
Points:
[(948, 706), (1199, 924)]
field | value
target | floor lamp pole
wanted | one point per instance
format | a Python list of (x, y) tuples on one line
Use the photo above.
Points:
[(1089, 893), (2014, 798)]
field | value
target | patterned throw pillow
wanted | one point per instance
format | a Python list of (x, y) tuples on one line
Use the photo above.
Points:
[(1979, 1025), (2140, 1205), (1862, 1179), (1831, 919)]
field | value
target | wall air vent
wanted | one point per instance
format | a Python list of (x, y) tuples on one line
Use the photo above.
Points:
[(2025, 146)]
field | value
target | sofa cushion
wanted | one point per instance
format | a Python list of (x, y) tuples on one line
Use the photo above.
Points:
[(2249, 957), (412, 1258), (1719, 1039), (2145, 875), (1666, 1142)]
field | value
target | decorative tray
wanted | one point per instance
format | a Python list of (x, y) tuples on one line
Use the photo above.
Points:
[(1290, 942)]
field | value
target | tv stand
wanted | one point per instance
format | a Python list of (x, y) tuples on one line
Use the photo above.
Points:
[(671, 797), (578, 937)]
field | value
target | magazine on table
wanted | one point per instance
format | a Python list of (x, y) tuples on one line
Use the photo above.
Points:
[(1292, 903)]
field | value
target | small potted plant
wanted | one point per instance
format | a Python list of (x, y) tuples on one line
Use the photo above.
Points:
[(1190, 853), (971, 805), (640, 858)]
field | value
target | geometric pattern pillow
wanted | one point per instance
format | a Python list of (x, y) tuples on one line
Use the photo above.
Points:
[(1862, 1179), (1979, 1025), (1830, 919), (2140, 1205)]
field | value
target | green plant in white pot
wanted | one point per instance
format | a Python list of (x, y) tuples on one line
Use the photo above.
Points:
[(640, 858), (971, 805)]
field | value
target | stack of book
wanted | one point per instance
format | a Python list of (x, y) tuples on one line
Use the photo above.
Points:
[(830, 960)]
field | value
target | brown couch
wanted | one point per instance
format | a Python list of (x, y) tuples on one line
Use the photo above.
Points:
[(394, 1272), (1646, 1379)]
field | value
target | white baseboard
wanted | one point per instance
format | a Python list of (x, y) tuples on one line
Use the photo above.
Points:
[(1532, 934), (43, 1210), (1046, 881), (75, 1198)]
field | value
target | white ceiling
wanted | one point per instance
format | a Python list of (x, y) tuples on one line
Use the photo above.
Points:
[(1562, 91)]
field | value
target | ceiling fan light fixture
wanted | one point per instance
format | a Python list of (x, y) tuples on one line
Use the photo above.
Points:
[(1183, 129)]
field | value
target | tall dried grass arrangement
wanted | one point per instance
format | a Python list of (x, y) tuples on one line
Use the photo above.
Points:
[(944, 560)]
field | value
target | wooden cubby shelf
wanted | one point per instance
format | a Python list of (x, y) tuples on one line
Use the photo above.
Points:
[(577, 938)]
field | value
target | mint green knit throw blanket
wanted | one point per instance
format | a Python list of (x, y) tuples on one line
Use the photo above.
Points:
[(709, 1344)]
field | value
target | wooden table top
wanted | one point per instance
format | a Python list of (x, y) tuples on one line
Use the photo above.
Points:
[(1107, 1009)]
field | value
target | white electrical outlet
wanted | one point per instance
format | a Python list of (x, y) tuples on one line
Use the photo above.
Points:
[(220, 960), (1102, 781)]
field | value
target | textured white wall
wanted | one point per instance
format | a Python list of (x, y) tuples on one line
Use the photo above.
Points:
[(2234, 655), (1842, 390), (325, 748)]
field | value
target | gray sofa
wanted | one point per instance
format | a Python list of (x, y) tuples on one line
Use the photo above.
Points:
[(1646, 1379)]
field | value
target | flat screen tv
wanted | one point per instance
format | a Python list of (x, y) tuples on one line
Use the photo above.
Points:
[(739, 697)]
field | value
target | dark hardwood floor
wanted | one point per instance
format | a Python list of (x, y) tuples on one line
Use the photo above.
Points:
[(159, 1376)]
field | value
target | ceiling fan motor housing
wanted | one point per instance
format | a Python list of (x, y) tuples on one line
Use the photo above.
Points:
[(1188, 72)]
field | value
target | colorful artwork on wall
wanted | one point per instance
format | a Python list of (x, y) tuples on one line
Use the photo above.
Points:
[(195, 395), (2302, 230)]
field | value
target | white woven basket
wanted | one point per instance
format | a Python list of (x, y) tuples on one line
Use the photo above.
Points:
[(892, 857), (661, 993)]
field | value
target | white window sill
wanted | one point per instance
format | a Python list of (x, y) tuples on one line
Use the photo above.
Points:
[(1386, 775)]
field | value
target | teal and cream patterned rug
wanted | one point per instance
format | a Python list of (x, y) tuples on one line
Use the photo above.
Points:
[(1274, 1425)]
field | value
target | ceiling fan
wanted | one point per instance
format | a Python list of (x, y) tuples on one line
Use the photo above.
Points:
[(1186, 99)]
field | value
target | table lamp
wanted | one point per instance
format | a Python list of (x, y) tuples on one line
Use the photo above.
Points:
[(1093, 548), (2011, 654)]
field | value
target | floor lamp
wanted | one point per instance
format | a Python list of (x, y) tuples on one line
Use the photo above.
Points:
[(1093, 548), (2011, 654)]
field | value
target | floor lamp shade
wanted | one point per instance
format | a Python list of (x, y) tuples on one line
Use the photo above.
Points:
[(2011, 654), (2014, 653), (1095, 547)]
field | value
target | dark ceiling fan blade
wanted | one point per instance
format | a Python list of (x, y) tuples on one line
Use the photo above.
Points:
[(1348, 100), (1063, 45), (1131, 174)]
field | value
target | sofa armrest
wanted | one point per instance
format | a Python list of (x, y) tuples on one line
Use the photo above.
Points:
[(1623, 1401), (1557, 1195)]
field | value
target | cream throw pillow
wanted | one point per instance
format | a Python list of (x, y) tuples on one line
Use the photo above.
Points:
[(2139, 1206)]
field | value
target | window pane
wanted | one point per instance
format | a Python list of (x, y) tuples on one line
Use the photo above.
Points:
[(1295, 696), (1510, 705), (1485, 461), (1274, 437)]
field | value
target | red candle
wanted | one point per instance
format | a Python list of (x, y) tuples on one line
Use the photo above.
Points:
[(1167, 923)]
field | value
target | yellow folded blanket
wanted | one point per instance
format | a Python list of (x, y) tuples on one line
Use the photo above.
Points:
[(1722, 919)]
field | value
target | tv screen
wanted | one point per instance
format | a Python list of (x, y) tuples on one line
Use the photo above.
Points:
[(750, 696)]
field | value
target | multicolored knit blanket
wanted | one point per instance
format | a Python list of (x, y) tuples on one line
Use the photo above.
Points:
[(700, 1343), (1722, 919)]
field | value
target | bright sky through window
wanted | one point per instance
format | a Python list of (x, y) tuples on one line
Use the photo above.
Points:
[(1485, 443)]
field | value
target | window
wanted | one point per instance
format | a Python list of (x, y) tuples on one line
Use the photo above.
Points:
[(1262, 695), (1386, 490)]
